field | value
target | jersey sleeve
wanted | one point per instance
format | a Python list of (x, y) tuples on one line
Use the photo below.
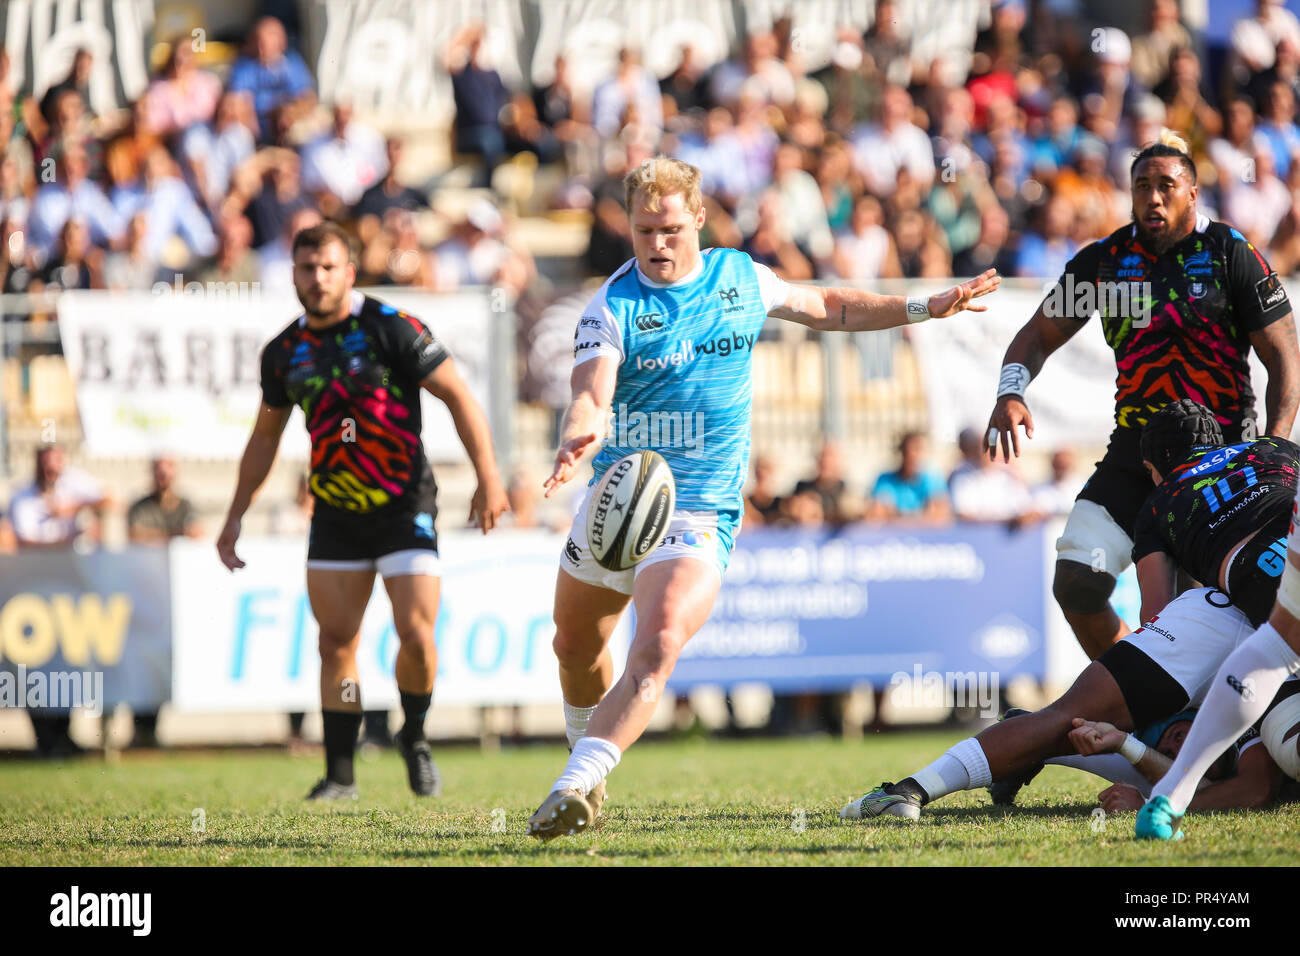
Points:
[(1082, 268), (598, 333), (1256, 292), (771, 287), (273, 392), (415, 350)]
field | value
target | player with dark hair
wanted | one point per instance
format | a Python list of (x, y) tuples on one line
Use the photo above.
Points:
[(1182, 301), (356, 367), (1218, 512)]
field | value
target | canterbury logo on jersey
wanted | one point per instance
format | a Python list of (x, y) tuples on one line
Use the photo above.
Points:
[(650, 322), (723, 345)]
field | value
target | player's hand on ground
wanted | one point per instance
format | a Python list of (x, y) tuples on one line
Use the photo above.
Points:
[(1091, 737), (1009, 414), (1121, 796), (961, 297), (566, 461), (488, 504), (226, 545)]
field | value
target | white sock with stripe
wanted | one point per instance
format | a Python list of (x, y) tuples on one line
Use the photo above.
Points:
[(576, 720), (964, 767), (591, 762)]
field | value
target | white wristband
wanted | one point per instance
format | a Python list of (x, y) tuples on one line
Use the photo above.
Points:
[(918, 308), (1015, 378), (1133, 750)]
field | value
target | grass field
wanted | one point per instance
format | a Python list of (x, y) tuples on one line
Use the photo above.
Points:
[(696, 802)]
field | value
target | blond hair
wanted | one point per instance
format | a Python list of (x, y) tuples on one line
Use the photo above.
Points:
[(662, 176)]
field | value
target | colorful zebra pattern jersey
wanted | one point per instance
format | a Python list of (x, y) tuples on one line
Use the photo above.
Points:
[(1209, 503), (358, 385), (1179, 323)]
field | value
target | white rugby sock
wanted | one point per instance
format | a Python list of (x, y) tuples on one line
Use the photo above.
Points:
[(575, 721), (1112, 767), (590, 763), (964, 767), (1259, 664)]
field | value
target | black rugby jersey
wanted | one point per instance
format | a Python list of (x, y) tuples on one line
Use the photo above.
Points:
[(1209, 503), (358, 385), (1179, 323)]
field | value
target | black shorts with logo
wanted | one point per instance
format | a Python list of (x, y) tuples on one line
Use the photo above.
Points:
[(1256, 570), (405, 525), (1120, 484)]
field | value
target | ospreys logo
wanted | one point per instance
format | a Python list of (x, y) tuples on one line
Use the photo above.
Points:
[(650, 322), (730, 297)]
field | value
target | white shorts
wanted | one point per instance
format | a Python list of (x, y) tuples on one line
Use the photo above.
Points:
[(706, 536), (392, 565), (1190, 638)]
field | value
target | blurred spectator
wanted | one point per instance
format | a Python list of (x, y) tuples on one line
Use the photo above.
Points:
[(68, 267), (1099, 207), (803, 509), (234, 261), (1055, 498), (480, 96), (69, 125), (838, 504), (866, 250), (71, 194), (172, 212), (274, 75), (716, 152), (1256, 202), (525, 132), (47, 513), (275, 259), (838, 183), (134, 267), (762, 503), (1061, 136), (1277, 126), (343, 163), (610, 244), (279, 197), (477, 253), (182, 94), (758, 73), (895, 143), (1043, 252), (992, 250), (1152, 50), (801, 199), (921, 252), (1232, 153), (770, 243), (686, 85), (631, 85), (887, 49), (1255, 39), (162, 514), (212, 152), (395, 256), (126, 151), (1188, 102), (983, 490), (389, 192), (16, 270), (912, 491), (77, 81)]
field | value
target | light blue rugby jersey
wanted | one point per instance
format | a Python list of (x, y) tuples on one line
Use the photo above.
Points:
[(684, 380)]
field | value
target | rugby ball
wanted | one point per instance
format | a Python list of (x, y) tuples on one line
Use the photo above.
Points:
[(630, 509)]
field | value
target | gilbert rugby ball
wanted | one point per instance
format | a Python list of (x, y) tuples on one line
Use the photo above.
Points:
[(630, 509)]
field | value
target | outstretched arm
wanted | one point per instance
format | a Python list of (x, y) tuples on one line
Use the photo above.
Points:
[(584, 421), (839, 308)]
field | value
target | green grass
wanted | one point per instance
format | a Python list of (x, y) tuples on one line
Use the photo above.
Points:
[(696, 802)]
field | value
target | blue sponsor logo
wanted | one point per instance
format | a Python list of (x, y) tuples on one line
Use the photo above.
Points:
[(1214, 461), (424, 525)]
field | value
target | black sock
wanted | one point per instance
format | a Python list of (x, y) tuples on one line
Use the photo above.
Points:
[(909, 787), (341, 728), (415, 707)]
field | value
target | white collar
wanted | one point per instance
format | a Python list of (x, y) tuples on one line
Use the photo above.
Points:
[(357, 300), (689, 277)]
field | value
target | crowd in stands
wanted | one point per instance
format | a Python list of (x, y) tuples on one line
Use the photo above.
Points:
[(914, 494), (876, 165)]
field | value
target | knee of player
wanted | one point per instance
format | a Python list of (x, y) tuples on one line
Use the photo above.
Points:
[(334, 645), (415, 633), (1081, 590), (655, 652)]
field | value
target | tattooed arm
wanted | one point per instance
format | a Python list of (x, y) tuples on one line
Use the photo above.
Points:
[(1275, 344), (837, 308)]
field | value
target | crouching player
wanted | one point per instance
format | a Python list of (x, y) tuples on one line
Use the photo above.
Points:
[(671, 335), (1218, 512)]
